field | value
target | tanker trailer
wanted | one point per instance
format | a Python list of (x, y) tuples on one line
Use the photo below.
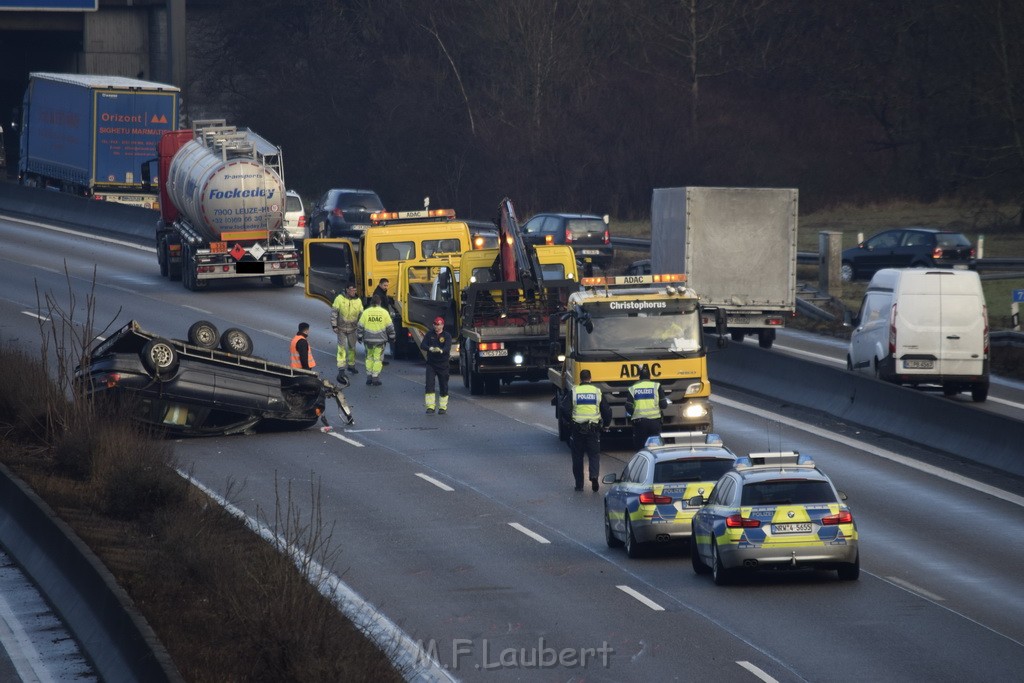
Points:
[(222, 207)]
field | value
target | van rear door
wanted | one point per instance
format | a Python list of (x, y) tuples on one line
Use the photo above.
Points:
[(962, 324), (940, 324)]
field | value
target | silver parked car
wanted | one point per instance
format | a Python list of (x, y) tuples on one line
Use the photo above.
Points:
[(649, 502), (774, 511)]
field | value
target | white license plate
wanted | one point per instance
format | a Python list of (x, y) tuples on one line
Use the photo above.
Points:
[(494, 353), (590, 252), (793, 528), (919, 364)]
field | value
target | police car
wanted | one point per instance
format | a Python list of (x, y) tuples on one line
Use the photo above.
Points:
[(774, 511), (649, 502)]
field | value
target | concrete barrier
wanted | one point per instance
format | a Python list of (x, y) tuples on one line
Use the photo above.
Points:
[(911, 414), (113, 635), (104, 218)]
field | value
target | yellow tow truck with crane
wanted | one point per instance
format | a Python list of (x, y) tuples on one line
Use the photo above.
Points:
[(617, 325)]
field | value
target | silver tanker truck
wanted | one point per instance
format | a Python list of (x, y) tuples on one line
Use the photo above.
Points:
[(222, 200)]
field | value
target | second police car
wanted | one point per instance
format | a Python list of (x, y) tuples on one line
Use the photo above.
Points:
[(774, 511)]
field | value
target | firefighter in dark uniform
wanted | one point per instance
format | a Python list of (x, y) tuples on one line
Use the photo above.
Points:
[(589, 411), (644, 404), (438, 345)]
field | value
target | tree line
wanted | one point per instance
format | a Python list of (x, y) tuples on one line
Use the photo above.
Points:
[(586, 105)]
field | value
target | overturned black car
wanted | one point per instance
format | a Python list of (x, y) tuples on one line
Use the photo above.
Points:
[(207, 386)]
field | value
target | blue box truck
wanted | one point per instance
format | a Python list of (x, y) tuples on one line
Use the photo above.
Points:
[(89, 135)]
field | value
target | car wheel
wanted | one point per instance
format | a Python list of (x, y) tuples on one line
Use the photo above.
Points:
[(979, 392), (464, 366), (476, 383), (204, 334), (161, 256), (236, 341), (719, 573), (632, 545), (160, 359), (698, 564), (737, 336), (949, 390), (609, 537), (765, 338), (850, 572), (846, 272)]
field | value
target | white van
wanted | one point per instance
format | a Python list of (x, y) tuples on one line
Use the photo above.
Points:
[(294, 216), (924, 326)]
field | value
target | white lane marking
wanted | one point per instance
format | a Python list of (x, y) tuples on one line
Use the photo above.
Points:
[(36, 316), (76, 233), (439, 484), (1011, 404), (21, 651), (547, 428), (535, 536), (880, 452), (916, 589), (344, 438), (197, 309), (642, 598), (757, 672), (407, 654), (357, 431)]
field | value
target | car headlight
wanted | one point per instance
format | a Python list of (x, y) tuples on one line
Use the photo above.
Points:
[(694, 388), (695, 410)]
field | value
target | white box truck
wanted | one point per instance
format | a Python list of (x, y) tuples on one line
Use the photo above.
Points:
[(737, 247)]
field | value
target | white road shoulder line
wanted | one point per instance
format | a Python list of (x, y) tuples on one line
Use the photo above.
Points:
[(642, 598), (916, 589), (757, 672), (36, 315), (535, 536), (880, 452), (344, 438), (439, 484)]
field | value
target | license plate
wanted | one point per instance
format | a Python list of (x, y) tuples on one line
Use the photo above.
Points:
[(590, 252), (494, 353), (919, 364), (793, 528)]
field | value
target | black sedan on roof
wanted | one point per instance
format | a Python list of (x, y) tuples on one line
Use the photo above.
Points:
[(907, 248), (204, 387)]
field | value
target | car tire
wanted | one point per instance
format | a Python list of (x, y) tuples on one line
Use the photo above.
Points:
[(464, 366), (949, 390), (737, 336), (720, 575), (203, 334), (765, 338), (160, 359), (979, 392), (476, 383), (236, 341), (846, 273), (633, 549), (609, 537), (699, 567), (161, 256), (850, 572)]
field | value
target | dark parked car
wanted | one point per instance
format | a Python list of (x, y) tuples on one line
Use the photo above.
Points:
[(907, 248), (587, 235), (343, 212), (208, 386)]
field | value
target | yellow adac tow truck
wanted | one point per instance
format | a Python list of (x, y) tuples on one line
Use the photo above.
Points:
[(617, 325)]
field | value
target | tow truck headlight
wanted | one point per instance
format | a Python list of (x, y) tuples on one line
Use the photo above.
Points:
[(694, 388), (517, 359), (695, 410)]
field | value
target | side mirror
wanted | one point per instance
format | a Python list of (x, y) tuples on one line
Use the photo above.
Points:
[(696, 501), (610, 479), (146, 173), (849, 319)]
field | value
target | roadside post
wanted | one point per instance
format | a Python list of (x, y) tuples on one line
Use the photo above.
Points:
[(830, 253)]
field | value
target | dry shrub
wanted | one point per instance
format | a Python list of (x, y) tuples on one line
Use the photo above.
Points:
[(27, 398)]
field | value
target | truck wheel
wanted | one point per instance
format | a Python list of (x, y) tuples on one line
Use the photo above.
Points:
[(737, 336), (476, 383), (464, 366), (492, 386), (236, 341), (979, 392), (161, 256), (563, 428), (204, 334), (765, 338), (188, 269), (160, 359), (283, 280), (173, 269)]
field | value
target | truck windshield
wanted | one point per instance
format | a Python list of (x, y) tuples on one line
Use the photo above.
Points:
[(676, 331)]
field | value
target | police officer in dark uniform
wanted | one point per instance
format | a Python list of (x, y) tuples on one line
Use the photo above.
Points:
[(644, 404), (589, 411), (438, 345)]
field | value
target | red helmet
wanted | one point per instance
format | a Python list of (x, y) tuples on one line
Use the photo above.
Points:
[(439, 319)]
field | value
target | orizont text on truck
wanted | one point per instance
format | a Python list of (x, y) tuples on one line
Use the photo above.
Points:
[(222, 207), (394, 239), (507, 305), (617, 325)]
